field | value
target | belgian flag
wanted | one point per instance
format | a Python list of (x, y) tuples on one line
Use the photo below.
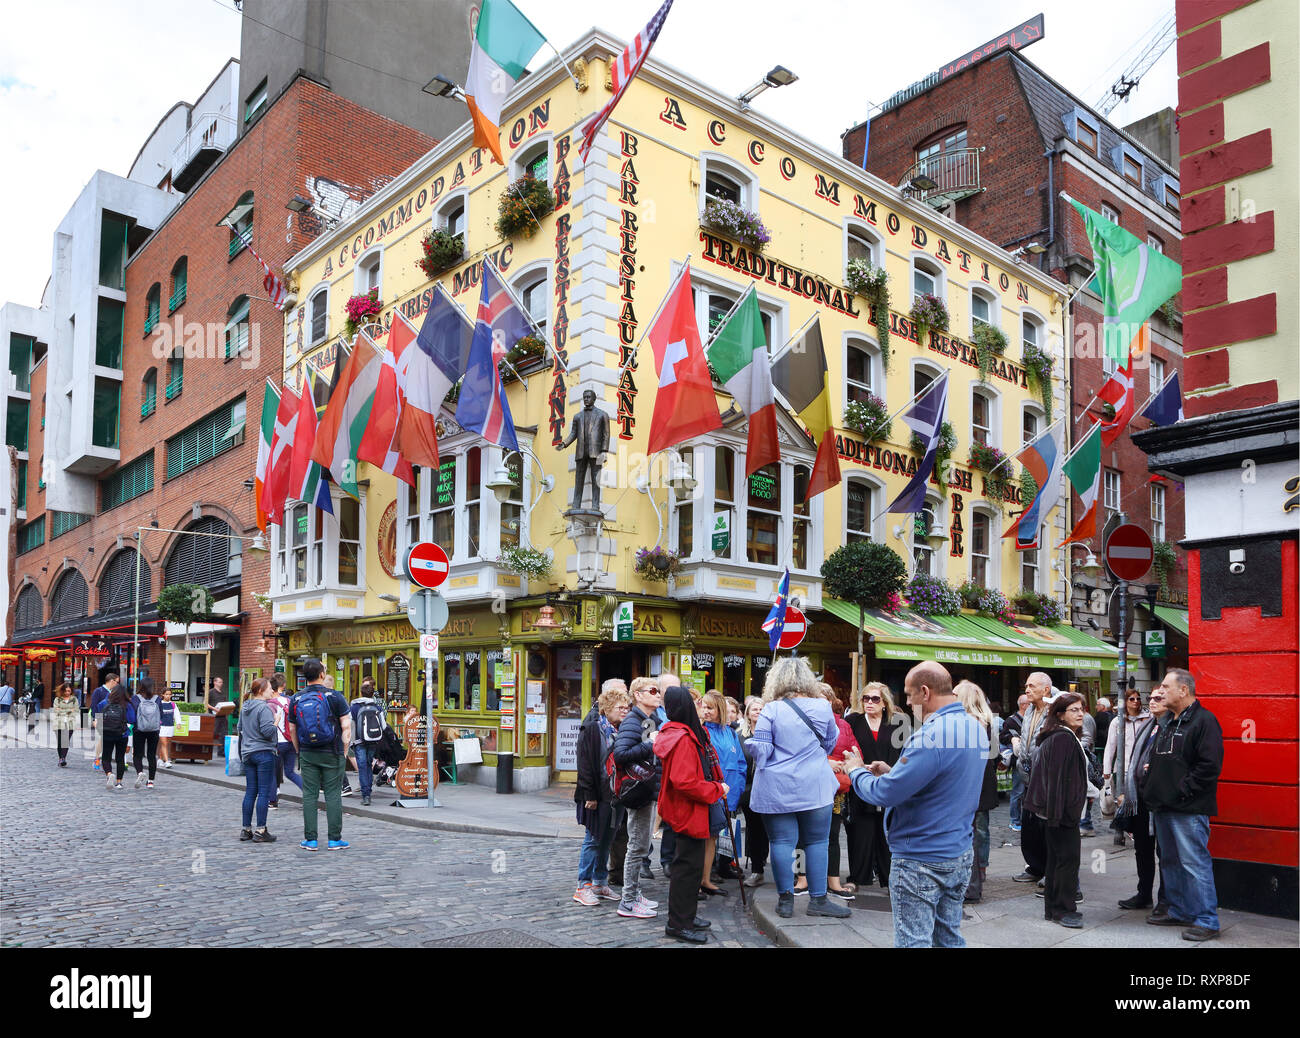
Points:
[(800, 375)]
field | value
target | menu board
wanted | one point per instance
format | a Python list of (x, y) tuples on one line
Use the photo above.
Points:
[(413, 773), (444, 491), (397, 689)]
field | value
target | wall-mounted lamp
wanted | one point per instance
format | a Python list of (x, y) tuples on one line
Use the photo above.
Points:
[(441, 86), (779, 76)]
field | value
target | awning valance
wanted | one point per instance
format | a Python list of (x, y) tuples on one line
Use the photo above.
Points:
[(1174, 619)]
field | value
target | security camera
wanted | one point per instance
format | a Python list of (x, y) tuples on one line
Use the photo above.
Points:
[(1236, 561)]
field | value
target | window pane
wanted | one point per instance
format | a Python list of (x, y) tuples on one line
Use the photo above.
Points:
[(979, 307), (763, 538), (858, 248), (765, 488), (859, 509), (685, 530), (451, 681), (473, 473), (733, 677), (717, 185), (1029, 432), (922, 283), (859, 373), (456, 220), (724, 475), (920, 380)]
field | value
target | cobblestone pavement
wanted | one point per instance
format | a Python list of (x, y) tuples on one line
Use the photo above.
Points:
[(83, 866)]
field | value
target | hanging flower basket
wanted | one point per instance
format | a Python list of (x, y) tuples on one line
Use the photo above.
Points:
[(1165, 556), (442, 251), (527, 562), (362, 310), (736, 223), (872, 283), (1038, 370), (989, 343), (870, 418), (656, 564), (928, 312), (523, 206)]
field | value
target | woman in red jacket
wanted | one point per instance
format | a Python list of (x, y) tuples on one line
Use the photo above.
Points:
[(690, 784)]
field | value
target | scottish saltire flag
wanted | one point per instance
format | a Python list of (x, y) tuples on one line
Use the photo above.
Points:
[(1166, 407), (622, 72), (1043, 458), (482, 407), (926, 420), (774, 625)]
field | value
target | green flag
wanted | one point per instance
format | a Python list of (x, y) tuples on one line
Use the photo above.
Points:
[(1132, 278)]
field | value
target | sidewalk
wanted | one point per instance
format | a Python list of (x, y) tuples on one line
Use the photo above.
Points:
[(1010, 916)]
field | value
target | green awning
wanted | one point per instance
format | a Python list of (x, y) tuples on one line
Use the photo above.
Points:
[(1174, 619), (979, 640)]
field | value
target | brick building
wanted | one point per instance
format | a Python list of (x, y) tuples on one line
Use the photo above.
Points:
[(1237, 449), (199, 338), (993, 147)]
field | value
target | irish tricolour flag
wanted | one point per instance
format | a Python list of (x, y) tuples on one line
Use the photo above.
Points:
[(270, 404), (1083, 470), (504, 42), (338, 436), (739, 355)]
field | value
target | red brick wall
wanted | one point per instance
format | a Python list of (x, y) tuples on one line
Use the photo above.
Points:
[(308, 132)]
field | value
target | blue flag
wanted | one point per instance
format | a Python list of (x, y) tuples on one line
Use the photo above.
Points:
[(926, 420), (482, 407), (774, 625), (1166, 407)]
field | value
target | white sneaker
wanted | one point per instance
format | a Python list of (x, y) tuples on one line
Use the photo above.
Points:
[(584, 895), (139, 779), (108, 781), (605, 893), (167, 764), (637, 911), (641, 899)]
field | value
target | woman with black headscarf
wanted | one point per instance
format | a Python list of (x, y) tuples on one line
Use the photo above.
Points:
[(691, 782)]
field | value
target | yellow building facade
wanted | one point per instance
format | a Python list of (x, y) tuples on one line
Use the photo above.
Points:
[(592, 276)]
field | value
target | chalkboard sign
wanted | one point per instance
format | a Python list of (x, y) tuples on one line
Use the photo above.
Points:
[(398, 687), (445, 491)]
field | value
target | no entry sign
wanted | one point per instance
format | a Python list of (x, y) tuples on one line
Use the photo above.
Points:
[(796, 626), (426, 564), (1129, 552)]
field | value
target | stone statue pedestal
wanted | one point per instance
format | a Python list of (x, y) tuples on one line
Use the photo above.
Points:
[(585, 526)]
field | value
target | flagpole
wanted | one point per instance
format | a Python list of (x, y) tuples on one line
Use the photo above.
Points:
[(713, 335), (895, 415), (662, 303), (802, 328), (575, 79), (1011, 457), (529, 318)]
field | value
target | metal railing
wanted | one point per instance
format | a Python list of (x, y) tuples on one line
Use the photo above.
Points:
[(954, 174), (208, 130)]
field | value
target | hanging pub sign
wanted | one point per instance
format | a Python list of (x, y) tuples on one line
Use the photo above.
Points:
[(96, 648), (36, 655), (1153, 645), (200, 642)]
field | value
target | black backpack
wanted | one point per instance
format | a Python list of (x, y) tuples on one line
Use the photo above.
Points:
[(114, 719), (370, 724)]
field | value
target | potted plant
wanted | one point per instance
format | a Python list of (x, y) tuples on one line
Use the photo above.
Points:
[(928, 312), (736, 223), (523, 206), (997, 477), (656, 564), (942, 456), (872, 283), (1038, 372), (1164, 558), (866, 574), (362, 309), (989, 342), (1049, 612), (527, 562), (442, 251), (870, 418), (932, 596)]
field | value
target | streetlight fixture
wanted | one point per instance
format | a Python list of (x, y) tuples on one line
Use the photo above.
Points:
[(441, 86), (502, 485), (779, 76)]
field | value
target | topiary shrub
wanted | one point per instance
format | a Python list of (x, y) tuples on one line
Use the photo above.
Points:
[(865, 574)]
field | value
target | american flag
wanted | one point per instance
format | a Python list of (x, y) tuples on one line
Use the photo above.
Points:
[(273, 285), (624, 71)]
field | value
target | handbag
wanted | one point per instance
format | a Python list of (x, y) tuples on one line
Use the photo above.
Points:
[(1107, 801), (726, 850), (1005, 780), (234, 760)]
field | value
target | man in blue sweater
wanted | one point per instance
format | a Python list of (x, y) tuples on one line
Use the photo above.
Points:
[(931, 795)]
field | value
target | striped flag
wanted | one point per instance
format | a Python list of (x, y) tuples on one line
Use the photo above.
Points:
[(346, 416), (270, 404), (273, 285), (1083, 469), (739, 355), (378, 444), (275, 489), (622, 73), (800, 375), (1043, 460), (305, 483), (1119, 393), (504, 42)]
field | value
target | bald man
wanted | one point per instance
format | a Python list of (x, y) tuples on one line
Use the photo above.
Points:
[(1033, 837), (931, 795)]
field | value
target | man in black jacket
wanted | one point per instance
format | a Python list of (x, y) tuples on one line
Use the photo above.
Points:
[(1180, 787), (1011, 730)]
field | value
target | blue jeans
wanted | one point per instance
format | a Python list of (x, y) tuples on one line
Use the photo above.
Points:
[(593, 862), (809, 830), (981, 839), (1189, 880), (365, 756), (927, 898), (289, 758), (1017, 794), (259, 785)]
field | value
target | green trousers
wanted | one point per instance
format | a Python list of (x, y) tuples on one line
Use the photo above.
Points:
[(321, 769)]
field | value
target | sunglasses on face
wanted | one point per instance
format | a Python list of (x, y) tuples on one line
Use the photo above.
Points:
[(1135, 699), (871, 699)]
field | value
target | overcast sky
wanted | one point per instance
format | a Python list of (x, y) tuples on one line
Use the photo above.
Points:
[(83, 83)]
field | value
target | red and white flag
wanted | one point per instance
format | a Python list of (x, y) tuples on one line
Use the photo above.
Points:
[(1118, 392), (685, 405), (273, 285), (378, 444), (276, 488), (622, 73)]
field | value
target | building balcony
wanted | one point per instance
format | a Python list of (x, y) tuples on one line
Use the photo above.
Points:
[(315, 604), (208, 137), (942, 179), (19, 384), (743, 583)]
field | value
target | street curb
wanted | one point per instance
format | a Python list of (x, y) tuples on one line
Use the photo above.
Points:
[(769, 924), (362, 812)]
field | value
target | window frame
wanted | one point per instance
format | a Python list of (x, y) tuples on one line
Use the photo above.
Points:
[(321, 550), (1154, 243), (1158, 527), (321, 291), (526, 154), (931, 269), (991, 300), (866, 345), (1157, 384), (1106, 484), (152, 307), (441, 215), (993, 432), (148, 393), (862, 232), (233, 411), (240, 307), (246, 208), (179, 292), (705, 285), (716, 162), (992, 576), (373, 259), (1030, 409), (528, 278), (255, 102), (874, 531), (1109, 212)]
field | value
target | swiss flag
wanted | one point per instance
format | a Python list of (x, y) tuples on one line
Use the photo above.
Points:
[(1118, 392), (685, 405), (276, 488)]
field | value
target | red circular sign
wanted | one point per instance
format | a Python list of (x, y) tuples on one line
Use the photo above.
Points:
[(426, 564), (796, 626), (1129, 552)]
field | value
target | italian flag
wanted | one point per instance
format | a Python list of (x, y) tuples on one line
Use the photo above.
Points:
[(305, 483), (339, 434), (1083, 469), (504, 42), (270, 404), (739, 355)]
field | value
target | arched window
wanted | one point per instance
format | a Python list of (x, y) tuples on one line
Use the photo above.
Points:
[(725, 181), (318, 311), (152, 307), (70, 597), (983, 308), (535, 161), (860, 367), (237, 328), (29, 609), (213, 561), (450, 216), (149, 393), (175, 373), (862, 244), (1031, 332), (369, 274), (180, 284), (722, 187), (982, 418), (240, 220), (1032, 422), (927, 278), (860, 498), (533, 289), (982, 570), (118, 583)]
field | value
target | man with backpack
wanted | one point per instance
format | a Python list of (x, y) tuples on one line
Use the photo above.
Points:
[(148, 727), (97, 700), (636, 788), (367, 733), (320, 727)]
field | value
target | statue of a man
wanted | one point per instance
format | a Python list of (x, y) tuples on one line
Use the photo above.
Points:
[(590, 430)]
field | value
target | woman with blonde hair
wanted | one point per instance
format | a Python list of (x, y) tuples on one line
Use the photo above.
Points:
[(794, 786), (880, 730), (972, 700), (755, 833)]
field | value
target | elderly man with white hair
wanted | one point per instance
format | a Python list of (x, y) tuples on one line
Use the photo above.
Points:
[(1033, 838)]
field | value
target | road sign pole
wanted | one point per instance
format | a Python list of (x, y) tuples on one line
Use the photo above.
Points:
[(1122, 640)]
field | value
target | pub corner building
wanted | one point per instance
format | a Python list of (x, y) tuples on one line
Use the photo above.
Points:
[(524, 653)]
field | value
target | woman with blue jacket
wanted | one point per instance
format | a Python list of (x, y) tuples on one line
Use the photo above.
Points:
[(794, 786), (731, 759)]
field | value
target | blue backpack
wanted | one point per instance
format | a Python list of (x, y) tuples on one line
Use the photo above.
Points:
[(315, 720)]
